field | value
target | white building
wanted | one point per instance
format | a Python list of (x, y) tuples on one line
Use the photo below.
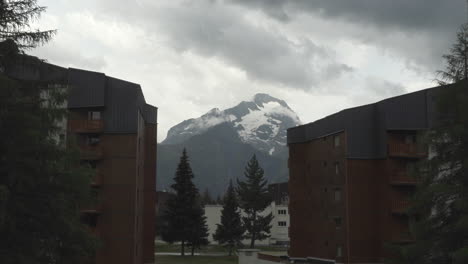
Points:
[(279, 225)]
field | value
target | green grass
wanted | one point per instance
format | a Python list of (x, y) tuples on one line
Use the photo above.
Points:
[(195, 260), (161, 247)]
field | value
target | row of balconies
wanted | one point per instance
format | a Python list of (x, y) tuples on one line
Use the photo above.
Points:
[(90, 152)]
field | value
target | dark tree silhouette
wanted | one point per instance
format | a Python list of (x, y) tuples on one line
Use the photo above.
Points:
[(16, 17), (254, 198), (230, 232)]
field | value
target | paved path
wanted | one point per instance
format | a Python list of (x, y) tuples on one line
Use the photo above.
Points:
[(212, 254)]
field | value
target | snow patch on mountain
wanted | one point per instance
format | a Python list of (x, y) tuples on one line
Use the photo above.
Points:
[(261, 122)]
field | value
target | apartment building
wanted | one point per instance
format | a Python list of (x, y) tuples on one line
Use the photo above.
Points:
[(350, 178), (115, 130)]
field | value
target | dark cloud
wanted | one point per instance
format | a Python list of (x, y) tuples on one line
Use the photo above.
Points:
[(429, 26), (216, 30), (402, 14)]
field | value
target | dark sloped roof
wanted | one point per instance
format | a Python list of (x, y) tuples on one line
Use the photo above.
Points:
[(366, 126), (87, 88)]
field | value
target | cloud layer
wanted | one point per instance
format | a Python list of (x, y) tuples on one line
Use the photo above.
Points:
[(193, 55)]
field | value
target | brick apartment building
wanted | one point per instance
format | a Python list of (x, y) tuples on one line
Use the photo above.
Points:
[(115, 130), (349, 180)]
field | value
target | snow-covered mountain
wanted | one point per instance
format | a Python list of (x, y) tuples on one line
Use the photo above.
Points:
[(261, 122)]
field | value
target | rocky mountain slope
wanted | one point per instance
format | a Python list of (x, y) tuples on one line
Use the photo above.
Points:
[(221, 142)]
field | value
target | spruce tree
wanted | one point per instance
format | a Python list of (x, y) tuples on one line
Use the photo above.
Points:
[(230, 232), (456, 62), (181, 207), (199, 232), (254, 198), (42, 187), (16, 17), (440, 206)]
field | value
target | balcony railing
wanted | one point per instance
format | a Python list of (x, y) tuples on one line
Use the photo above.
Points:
[(400, 206), (402, 238), (402, 178), (85, 126), (91, 152), (96, 181), (406, 150)]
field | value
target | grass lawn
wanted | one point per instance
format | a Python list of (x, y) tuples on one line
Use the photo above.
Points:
[(195, 260), (162, 247)]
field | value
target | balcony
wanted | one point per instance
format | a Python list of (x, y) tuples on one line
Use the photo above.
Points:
[(96, 181), (402, 238), (403, 150), (91, 152), (86, 126), (400, 206), (402, 178)]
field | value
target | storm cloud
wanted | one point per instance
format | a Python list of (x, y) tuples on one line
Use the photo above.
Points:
[(320, 56)]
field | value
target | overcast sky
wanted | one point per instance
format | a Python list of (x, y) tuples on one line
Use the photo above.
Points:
[(320, 56)]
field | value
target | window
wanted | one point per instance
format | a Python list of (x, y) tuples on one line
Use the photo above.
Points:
[(282, 211), (337, 195), (336, 141), (339, 251), (282, 223), (337, 168), (410, 139), (338, 222), (93, 140), (94, 115)]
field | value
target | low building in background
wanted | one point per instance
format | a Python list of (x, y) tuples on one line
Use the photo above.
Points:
[(280, 223), (350, 178), (115, 130)]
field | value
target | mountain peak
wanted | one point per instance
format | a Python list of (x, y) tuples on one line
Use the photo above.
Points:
[(262, 123), (262, 98)]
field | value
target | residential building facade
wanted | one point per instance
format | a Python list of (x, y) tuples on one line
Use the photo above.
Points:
[(278, 208), (115, 130), (350, 178)]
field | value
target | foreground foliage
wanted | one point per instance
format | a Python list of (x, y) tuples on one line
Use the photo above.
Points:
[(440, 206), (42, 186)]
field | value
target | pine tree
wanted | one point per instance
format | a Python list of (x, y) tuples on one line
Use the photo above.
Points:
[(42, 186), (199, 232), (456, 68), (180, 211), (16, 17), (254, 198), (230, 232), (440, 206)]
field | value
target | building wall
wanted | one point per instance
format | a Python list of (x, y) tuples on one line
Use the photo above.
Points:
[(317, 169), (213, 217), (372, 205), (116, 222), (149, 193)]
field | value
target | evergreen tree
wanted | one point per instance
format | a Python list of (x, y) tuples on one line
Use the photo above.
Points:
[(199, 232), (182, 207), (42, 186), (440, 207), (16, 16), (456, 62), (230, 232), (254, 198)]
